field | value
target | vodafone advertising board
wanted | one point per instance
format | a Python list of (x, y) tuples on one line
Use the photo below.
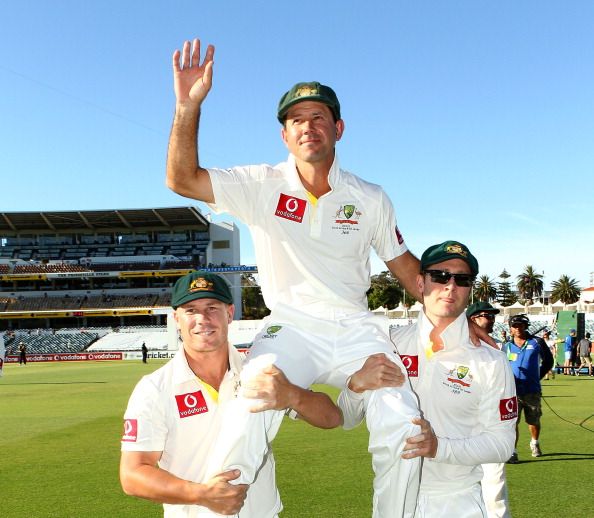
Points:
[(68, 357)]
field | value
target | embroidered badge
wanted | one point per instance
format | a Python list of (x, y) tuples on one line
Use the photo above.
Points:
[(348, 214), (200, 284), (456, 249), (459, 379), (347, 218)]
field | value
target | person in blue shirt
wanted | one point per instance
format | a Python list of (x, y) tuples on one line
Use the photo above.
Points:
[(530, 360), (570, 347)]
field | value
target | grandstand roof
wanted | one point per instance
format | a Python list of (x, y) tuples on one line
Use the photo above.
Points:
[(128, 220)]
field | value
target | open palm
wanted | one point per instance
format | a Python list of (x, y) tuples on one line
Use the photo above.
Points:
[(192, 79)]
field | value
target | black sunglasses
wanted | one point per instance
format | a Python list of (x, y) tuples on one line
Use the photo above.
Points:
[(490, 316), (464, 280)]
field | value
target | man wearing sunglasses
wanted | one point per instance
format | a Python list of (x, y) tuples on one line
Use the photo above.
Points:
[(493, 484), (483, 315), (466, 393)]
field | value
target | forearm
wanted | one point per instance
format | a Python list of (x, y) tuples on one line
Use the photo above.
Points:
[(184, 174), (316, 408), (158, 485), (486, 447)]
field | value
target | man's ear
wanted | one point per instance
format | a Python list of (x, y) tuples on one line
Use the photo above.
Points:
[(421, 283), (339, 129)]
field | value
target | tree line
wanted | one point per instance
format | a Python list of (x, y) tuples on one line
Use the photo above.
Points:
[(387, 292)]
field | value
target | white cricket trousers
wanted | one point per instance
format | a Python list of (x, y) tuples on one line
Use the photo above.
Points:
[(494, 489), (466, 503), (314, 350)]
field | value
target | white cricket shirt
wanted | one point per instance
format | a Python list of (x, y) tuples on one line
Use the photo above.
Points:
[(468, 395), (312, 257), (171, 411)]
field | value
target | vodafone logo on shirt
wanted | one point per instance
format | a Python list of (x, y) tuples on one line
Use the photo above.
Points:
[(290, 208), (508, 408), (399, 236), (130, 430), (411, 363), (191, 404)]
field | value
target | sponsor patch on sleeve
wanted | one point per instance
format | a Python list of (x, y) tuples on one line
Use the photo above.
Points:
[(411, 364), (290, 208), (191, 404), (130, 430), (399, 236), (508, 408)]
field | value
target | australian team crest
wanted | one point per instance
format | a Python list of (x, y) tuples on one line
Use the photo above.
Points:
[(462, 371), (201, 284), (347, 213), (306, 91), (456, 249), (459, 378)]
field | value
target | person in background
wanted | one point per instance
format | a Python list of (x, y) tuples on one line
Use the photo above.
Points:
[(584, 347), (493, 483), (530, 359), (22, 353), (552, 344), (570, 353)]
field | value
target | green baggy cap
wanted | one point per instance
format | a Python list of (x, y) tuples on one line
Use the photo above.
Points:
[(200, 285), (312, 91), (446, 251), (480, 307)]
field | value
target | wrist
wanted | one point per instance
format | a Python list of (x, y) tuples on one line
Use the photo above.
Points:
[(195, 493), (354, 386), (187, 108)]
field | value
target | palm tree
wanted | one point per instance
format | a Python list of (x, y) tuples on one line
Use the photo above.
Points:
[(485, 289), (530, 284), (566, 290)]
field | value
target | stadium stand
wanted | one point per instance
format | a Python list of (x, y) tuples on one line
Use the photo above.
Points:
[(45, 343), (155, 339), (101, 271)]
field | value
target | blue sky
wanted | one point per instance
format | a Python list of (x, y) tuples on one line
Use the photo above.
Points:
[(476, 117)]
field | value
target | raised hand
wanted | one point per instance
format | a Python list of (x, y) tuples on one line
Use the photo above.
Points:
[(192, 80)]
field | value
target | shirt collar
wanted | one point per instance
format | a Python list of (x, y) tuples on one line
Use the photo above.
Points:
[(182, 372), (295, 181), (452, 336)]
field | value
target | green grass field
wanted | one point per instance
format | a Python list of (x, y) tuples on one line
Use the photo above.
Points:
[(60, 426)]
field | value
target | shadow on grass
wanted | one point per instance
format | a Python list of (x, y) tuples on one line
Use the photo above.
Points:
[(554, 457)]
